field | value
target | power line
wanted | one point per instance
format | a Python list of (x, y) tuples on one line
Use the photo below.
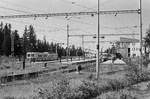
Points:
[(18, 5), (119, 34), (79, 5), (40, 27), (125, 27), (13, 9)]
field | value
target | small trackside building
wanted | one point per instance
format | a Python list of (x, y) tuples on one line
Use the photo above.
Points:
[(128, 47)]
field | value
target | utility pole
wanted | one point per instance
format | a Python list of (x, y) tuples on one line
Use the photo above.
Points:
[(12, 44), (83, 46), (67, 42), (141, 41), (98, 39), (24, 53)]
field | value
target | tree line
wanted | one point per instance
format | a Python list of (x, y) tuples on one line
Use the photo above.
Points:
[(29, 43)]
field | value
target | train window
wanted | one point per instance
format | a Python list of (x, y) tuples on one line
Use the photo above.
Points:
[(39, 55), (28, 55), (32, 55)]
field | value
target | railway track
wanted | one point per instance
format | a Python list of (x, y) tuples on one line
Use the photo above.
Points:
[(31, 75), (37, 76)]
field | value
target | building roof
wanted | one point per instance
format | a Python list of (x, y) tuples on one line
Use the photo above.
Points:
[(127, 40)]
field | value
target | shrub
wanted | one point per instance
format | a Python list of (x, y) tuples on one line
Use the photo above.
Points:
[(91, 77), (88, 89), (117, 84), (12, 97), (136, 75), (122, 94), (9, 97), (61, 89)]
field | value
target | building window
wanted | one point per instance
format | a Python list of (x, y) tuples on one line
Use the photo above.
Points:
[(134, 55), (133, 44), (32, 55), (28, 55)]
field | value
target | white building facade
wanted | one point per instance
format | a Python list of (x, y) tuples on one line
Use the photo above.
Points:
[(129, 47), (135, 49)]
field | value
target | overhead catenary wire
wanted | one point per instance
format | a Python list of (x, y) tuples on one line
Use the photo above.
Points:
[(79, 5), (35, 11), (21, 6), (36, 16), (31, 12), (16, 10), (82, 22), (38, 25), (70, 14)]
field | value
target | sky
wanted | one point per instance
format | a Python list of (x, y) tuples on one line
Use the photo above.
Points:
[(54, 28)]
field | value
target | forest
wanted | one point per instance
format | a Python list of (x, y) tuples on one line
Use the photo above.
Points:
[(11, 43)]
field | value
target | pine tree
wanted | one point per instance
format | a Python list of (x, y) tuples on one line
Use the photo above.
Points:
[(147, 38), (1, 37), (6, 46), (147, 42), (32, 39), (17, 44), (25, 41)]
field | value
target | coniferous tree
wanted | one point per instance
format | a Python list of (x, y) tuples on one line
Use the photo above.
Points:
[(1, 37), (17, 44), (29, 42), (32, 39), (147, 39), (79, 51), (25, 41), (6, 46), (73, 50)]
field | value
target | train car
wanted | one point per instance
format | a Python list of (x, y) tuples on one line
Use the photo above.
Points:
[(41, 56)]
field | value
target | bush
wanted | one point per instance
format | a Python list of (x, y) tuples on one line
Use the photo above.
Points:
[(122, 94), (136, 75), (89, 89), (12, 97), (91, 77), (9, 97), (116, 85), (61, 89)]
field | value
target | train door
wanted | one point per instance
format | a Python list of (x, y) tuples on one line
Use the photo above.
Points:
[(129, 52)]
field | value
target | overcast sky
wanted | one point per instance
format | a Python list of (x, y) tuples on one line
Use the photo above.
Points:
[(54, 28)]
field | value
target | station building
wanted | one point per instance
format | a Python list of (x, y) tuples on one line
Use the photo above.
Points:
[(128, 47)]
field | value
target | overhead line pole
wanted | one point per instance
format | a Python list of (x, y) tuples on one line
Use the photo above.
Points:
[(83, 46), (67, 43), (141, 41), (98, 39)]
